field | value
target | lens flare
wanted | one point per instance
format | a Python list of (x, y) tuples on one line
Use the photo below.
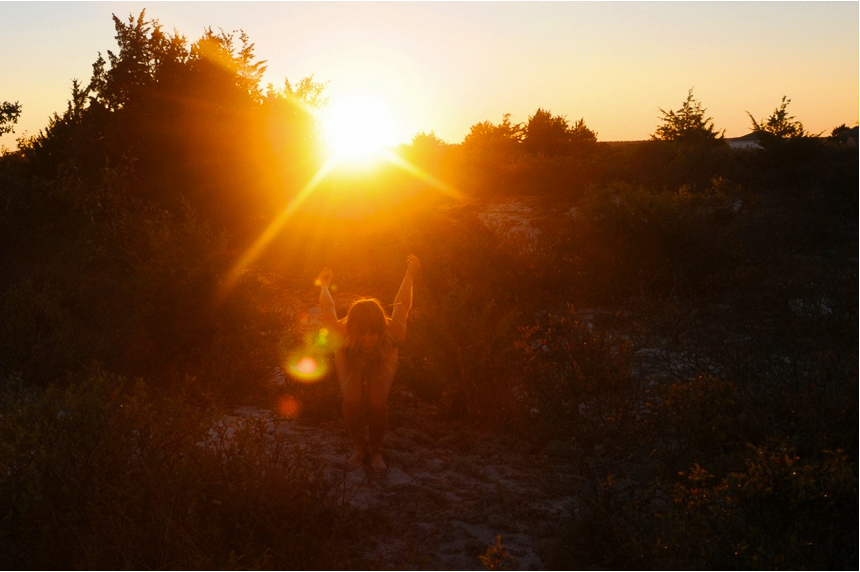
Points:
[(318, 283), (289, 407), (324, 339), (306, 368)]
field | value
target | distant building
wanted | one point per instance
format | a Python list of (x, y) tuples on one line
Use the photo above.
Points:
[(748, 141)]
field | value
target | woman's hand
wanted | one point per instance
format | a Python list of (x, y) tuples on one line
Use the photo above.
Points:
[(413, 267), (324, 279)]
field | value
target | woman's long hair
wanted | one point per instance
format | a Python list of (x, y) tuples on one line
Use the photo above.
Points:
[(367, 315)]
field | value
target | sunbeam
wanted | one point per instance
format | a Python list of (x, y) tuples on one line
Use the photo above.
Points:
[(422, 175), (274, 227), (254, 251)]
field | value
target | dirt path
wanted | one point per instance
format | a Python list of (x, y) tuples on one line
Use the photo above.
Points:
[(448, 492)]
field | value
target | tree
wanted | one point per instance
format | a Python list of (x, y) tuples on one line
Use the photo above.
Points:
[(551, 135), (427, 142), (487, 138), (426, 151), (580, 133), (840, 131), (290, 120), (489, 144), (546, 134), (688, 125), (193, 120), (844, 135), (780, 125), (9, 114)]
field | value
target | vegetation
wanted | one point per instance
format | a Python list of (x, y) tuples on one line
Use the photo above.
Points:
[(688, 125), (9, 114), (682, 324), (780, 125)]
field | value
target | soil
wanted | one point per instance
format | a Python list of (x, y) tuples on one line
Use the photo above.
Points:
[(448, 492)]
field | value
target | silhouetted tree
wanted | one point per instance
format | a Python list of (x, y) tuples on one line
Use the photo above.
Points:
[(427, 146), (844, 134), (487, 138), (552, 135), (782, 133), (546, 134), (688, 125), (290, 127), (780, 125), (427, 141), (426, 151), (841, 130), (790, 156), (9, 114), (195, 122), (580, 133)]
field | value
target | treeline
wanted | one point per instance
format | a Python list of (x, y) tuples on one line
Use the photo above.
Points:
[(682, 327)]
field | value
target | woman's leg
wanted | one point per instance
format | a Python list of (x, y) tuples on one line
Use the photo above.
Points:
[(377, 403), (353, 416)]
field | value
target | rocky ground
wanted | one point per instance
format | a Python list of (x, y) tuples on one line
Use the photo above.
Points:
[(448, 492)]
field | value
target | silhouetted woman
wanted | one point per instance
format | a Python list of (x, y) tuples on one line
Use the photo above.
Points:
[(367, 357)]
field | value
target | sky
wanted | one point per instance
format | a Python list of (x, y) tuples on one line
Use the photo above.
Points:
[(442, 67)]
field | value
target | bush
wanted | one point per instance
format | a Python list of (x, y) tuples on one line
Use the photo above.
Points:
[(464, 345), (582, 381), (37, 333), (631, 242), (187, 324), (101, 475)]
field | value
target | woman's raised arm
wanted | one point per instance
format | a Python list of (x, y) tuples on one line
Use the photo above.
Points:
[(327, 309), (403, 300)]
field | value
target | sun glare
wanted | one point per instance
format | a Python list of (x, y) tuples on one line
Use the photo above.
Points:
[(357, 129)]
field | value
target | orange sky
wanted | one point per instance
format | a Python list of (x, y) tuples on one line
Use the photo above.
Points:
[(443, 67)]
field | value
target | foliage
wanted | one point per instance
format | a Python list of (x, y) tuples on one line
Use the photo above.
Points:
[(466, 368), (100, 474), (184, 322), (496, 557), (37, 332), (550, 135), (843, 131), (486, 138), (583, 384), (196, 122), (788, 149), (9, 114), (428, 152), (426, 142), (688, 125), (487, 150), (780, 125), (627, 242)]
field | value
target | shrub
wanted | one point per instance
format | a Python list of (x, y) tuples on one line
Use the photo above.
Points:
[(186, 323), (101, 475), (582, 380), (37, 332), (631, 242), (464, 339)]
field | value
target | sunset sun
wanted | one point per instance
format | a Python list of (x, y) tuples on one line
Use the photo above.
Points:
[(357, 129)]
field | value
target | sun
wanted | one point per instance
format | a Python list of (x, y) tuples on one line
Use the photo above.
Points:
[(358, 129)]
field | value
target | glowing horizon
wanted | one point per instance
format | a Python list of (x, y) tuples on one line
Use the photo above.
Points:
[(444, 67)]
